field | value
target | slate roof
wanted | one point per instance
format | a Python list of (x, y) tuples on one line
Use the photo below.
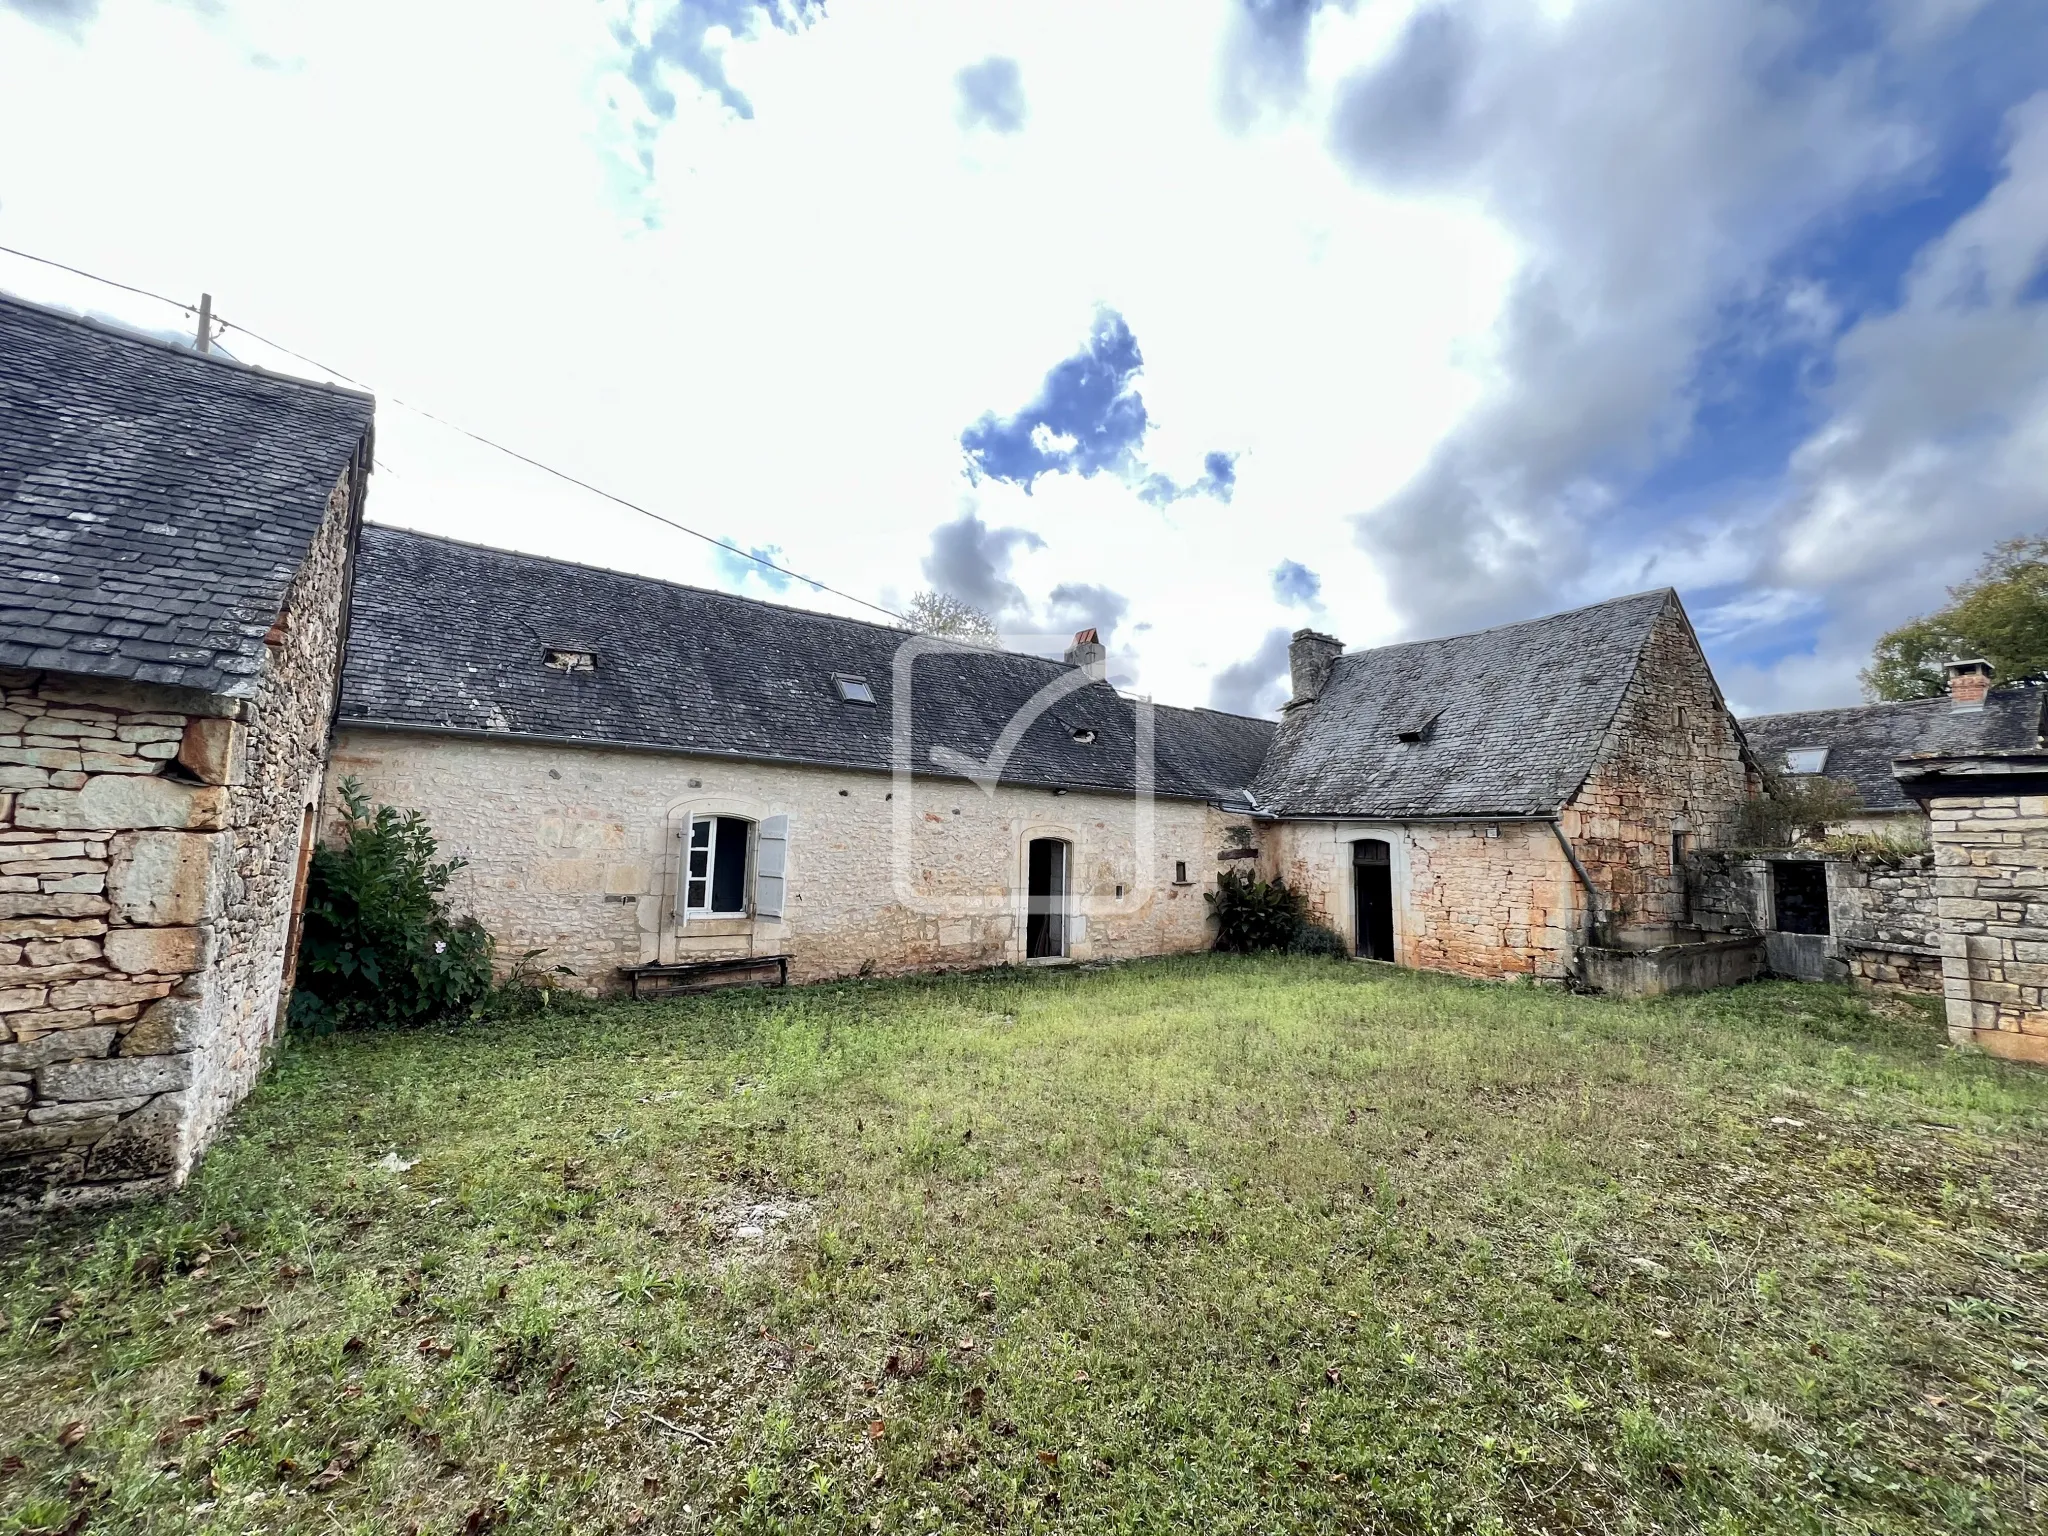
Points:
[(154, 504), (1520, 715), (449, 635), (1863, 740)]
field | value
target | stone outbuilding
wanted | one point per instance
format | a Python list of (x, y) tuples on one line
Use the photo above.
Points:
[(1498, 802), (176, 540)]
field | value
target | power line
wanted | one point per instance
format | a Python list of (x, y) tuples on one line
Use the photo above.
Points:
[(564, 475), (95, 277), (527, 459)]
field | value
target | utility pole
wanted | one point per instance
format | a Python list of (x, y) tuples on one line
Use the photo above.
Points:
[(206, 322)]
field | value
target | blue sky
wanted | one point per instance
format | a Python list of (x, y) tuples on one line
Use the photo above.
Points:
[(1192, 320)]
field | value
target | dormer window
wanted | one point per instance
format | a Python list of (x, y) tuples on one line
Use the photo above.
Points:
[(567, 658), (1083, 734), (1806, 760), (1416, 729), (853, 690)]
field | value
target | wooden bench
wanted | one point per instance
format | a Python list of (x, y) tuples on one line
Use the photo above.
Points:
[(650, 981)]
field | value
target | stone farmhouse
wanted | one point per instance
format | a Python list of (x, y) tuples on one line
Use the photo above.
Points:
[(176, 539), (657, 786), (644, 776)]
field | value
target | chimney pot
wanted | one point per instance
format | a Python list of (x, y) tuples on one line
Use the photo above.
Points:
[(1310, 656), (1968, 682), (1090, 654)]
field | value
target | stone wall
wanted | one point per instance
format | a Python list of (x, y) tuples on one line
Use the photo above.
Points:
[(1672, 765), (148, 841), (574, 851), (1883, 926), (1492, 899), (1991, 894)]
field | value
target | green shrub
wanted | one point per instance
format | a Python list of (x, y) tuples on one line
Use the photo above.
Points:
[(1253, 914), (1795, 807), (378, 948), (1319, 939), (530, 988)]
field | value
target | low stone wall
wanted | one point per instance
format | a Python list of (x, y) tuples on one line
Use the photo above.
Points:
[(1883, 926)]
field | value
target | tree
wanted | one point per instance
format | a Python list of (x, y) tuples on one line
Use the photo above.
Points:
[(2000, 614), (936, 613)]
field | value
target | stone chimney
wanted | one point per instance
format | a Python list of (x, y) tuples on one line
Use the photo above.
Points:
[(1968, 682), (1090, 654), (1309, 659)]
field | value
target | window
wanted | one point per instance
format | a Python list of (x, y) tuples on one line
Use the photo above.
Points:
[(1180, 871), (715, 884), (568, 659), (1083, 734), (1806, 760), (853, 690)]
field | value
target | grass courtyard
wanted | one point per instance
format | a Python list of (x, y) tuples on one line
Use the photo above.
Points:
[(1207, 1244)]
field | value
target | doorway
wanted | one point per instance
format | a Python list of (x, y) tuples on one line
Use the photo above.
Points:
[(1045, 911), (1372, 897)]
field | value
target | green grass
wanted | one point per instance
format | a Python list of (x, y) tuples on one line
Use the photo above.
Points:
[(1206, 1244)]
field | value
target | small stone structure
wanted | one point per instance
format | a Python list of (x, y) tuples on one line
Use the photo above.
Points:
[(1880, 924), (181, 534), (1988, 813)]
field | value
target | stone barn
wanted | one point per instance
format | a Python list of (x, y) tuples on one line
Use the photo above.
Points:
[(178, 533), (1494, 803)]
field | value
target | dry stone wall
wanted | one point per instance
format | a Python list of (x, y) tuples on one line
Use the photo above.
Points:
[(574, 850), (1672, 765), (149, 840), (1991, 894)]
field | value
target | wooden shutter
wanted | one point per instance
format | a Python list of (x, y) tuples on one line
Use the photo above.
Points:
[(771, 865)]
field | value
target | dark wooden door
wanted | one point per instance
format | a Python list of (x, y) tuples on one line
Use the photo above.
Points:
[(1045, 913), (1372, 897)]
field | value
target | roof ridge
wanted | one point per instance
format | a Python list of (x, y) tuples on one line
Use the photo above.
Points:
[(1494, 629), (717, 592), (119, 332), (1840, 709)]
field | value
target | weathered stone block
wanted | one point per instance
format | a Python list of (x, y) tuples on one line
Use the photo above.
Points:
[(119, 802), (65, 1045), (158, 951), (215, 751), (169, 1024), (22, 999), (49, 927), (145, 1144), (114, 1077), (41, 1138), (107, 993), (48, 904), (89, 1109), (163, 879)]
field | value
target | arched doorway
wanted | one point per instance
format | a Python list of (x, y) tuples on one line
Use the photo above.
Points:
[(1372, 897), (1045, 911)]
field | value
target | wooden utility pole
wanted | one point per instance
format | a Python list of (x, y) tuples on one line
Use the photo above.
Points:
[(206, 322)]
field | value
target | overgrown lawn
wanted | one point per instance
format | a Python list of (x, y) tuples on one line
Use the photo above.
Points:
[(1209, 1244)]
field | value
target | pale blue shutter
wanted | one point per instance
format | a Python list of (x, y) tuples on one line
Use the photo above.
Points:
[(771, 865)]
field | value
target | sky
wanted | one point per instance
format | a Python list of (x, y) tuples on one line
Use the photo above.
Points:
[(1192, 321)]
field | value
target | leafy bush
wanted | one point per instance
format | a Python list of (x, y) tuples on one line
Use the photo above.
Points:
[(378, 948), (530, 988), (1253, 914), (1795, 807), (1319, 939)]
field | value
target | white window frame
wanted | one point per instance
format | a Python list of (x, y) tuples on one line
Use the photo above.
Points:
[(707, 877), (1817, 757)]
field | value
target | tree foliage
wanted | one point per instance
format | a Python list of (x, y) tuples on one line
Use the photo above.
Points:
[(937, 613), (378, 948), (2000, 614), (1796, 807)]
